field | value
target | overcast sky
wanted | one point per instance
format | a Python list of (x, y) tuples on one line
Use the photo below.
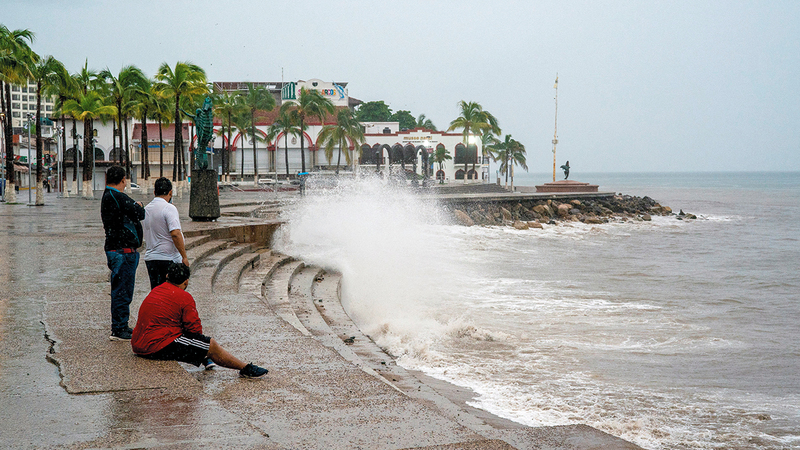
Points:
[(643, 85)]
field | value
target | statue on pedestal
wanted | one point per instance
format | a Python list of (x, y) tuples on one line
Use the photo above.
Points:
[(565, 168), (203, 119), (204, 195)]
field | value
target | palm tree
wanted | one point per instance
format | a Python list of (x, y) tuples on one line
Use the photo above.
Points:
[(424, 122), (510, 153), (64, 89), (241, 122), (309, 104), (474, 119), (14, 56), (257, 98), (88, 107), (143, 102), (488, 150), (122, 90), (284, 124), (347, 128), (161, 112), (45, 73), (185, 80), (227, 104), (440, 155)]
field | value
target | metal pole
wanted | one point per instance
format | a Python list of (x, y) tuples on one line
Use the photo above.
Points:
[(60, 183), (555, 130), (30, 165)]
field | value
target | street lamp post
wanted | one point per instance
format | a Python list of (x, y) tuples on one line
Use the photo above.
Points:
[(30, 165)]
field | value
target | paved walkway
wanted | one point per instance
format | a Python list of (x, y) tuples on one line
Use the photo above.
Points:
[(64, 385)]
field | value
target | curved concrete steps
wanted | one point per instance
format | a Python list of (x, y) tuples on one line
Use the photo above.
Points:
[(255, 281), (226, 280), (277, 293)]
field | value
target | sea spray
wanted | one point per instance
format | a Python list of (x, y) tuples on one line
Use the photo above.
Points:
[(387, 242)]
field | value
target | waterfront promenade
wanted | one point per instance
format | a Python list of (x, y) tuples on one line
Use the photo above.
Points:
[(64, 385)]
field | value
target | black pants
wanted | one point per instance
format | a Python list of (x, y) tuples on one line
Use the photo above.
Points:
[(157, 271)]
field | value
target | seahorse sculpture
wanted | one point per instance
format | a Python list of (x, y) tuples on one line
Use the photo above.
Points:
[(203, 119)]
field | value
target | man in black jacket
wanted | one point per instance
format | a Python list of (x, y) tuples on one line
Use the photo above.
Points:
[(121, 216)]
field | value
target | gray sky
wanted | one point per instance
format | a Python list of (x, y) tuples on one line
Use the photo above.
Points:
[(643, 86)]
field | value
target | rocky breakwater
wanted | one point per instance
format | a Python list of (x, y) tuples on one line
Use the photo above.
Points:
[(535, 213)]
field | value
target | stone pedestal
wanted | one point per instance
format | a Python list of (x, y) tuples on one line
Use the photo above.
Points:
[(567, 186), (204, 196)]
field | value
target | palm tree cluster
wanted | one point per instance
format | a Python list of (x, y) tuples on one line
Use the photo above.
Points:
[(474, 121), (88, 95)]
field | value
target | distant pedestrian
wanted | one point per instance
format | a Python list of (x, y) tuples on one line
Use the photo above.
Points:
[(169, 328), (121, 220), (162, 233)]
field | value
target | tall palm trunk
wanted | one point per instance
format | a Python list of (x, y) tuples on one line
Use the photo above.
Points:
[(10, 191), (286, 152), (75, 156), (302, 142), (255, 141), (339, 159), (230, 131), (127, 149), (145, 148), (160, 150), (177, 173), (88, 156)]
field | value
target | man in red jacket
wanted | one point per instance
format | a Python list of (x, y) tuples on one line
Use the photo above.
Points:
[(169, 328)]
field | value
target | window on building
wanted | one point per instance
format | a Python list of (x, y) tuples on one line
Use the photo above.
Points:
[(24, 106), (15, 106), (49, 107), (15, 114), (24, 89), (15, 97), (15, 88)]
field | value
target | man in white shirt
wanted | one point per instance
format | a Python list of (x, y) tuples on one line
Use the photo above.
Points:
[(162, 232)]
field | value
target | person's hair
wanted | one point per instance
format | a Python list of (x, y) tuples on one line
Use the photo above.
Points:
[(162, 186), (178, 273), (115, 174)]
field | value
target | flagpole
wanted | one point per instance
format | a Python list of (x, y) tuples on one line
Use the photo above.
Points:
[(555, 131)]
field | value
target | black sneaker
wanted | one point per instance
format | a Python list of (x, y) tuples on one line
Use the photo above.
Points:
[(121, 335), (252, 371), (209, 364)]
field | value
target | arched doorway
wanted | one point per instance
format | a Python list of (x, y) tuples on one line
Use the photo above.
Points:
[(460, 174)]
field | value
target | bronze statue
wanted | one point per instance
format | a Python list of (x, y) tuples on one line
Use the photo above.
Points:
[(203, 119), (565, 168)]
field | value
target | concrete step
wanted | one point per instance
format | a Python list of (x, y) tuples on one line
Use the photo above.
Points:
[(254, 282), (227, 279), (193, 241), (199, 252), (277, 293), (205, 269)]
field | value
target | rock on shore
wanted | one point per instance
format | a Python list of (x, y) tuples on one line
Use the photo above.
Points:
[(525, 214)]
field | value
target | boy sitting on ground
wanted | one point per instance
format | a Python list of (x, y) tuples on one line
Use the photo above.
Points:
[(169, 328)]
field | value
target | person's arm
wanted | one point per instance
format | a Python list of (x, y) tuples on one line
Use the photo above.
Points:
[(177, 239), (189, 317)]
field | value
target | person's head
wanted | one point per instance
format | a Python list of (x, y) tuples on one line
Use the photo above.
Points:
[(178, 274), (115, 175), (162, 187)]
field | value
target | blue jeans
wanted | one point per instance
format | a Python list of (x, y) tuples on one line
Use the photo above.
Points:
[(123, 278)]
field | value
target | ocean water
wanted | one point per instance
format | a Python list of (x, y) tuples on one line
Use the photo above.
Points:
[(670, 334)]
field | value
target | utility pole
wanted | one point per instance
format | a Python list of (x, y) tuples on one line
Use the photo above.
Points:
[(555, 131)]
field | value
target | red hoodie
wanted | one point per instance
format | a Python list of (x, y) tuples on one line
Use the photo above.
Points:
[(166, 313)]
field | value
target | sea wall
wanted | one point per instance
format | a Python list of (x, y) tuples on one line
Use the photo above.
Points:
[(533, 213)]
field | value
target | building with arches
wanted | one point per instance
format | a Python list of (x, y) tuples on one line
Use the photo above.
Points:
[(401, 152)]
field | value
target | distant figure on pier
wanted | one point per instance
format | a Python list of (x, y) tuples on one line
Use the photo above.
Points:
[(565, 168)]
